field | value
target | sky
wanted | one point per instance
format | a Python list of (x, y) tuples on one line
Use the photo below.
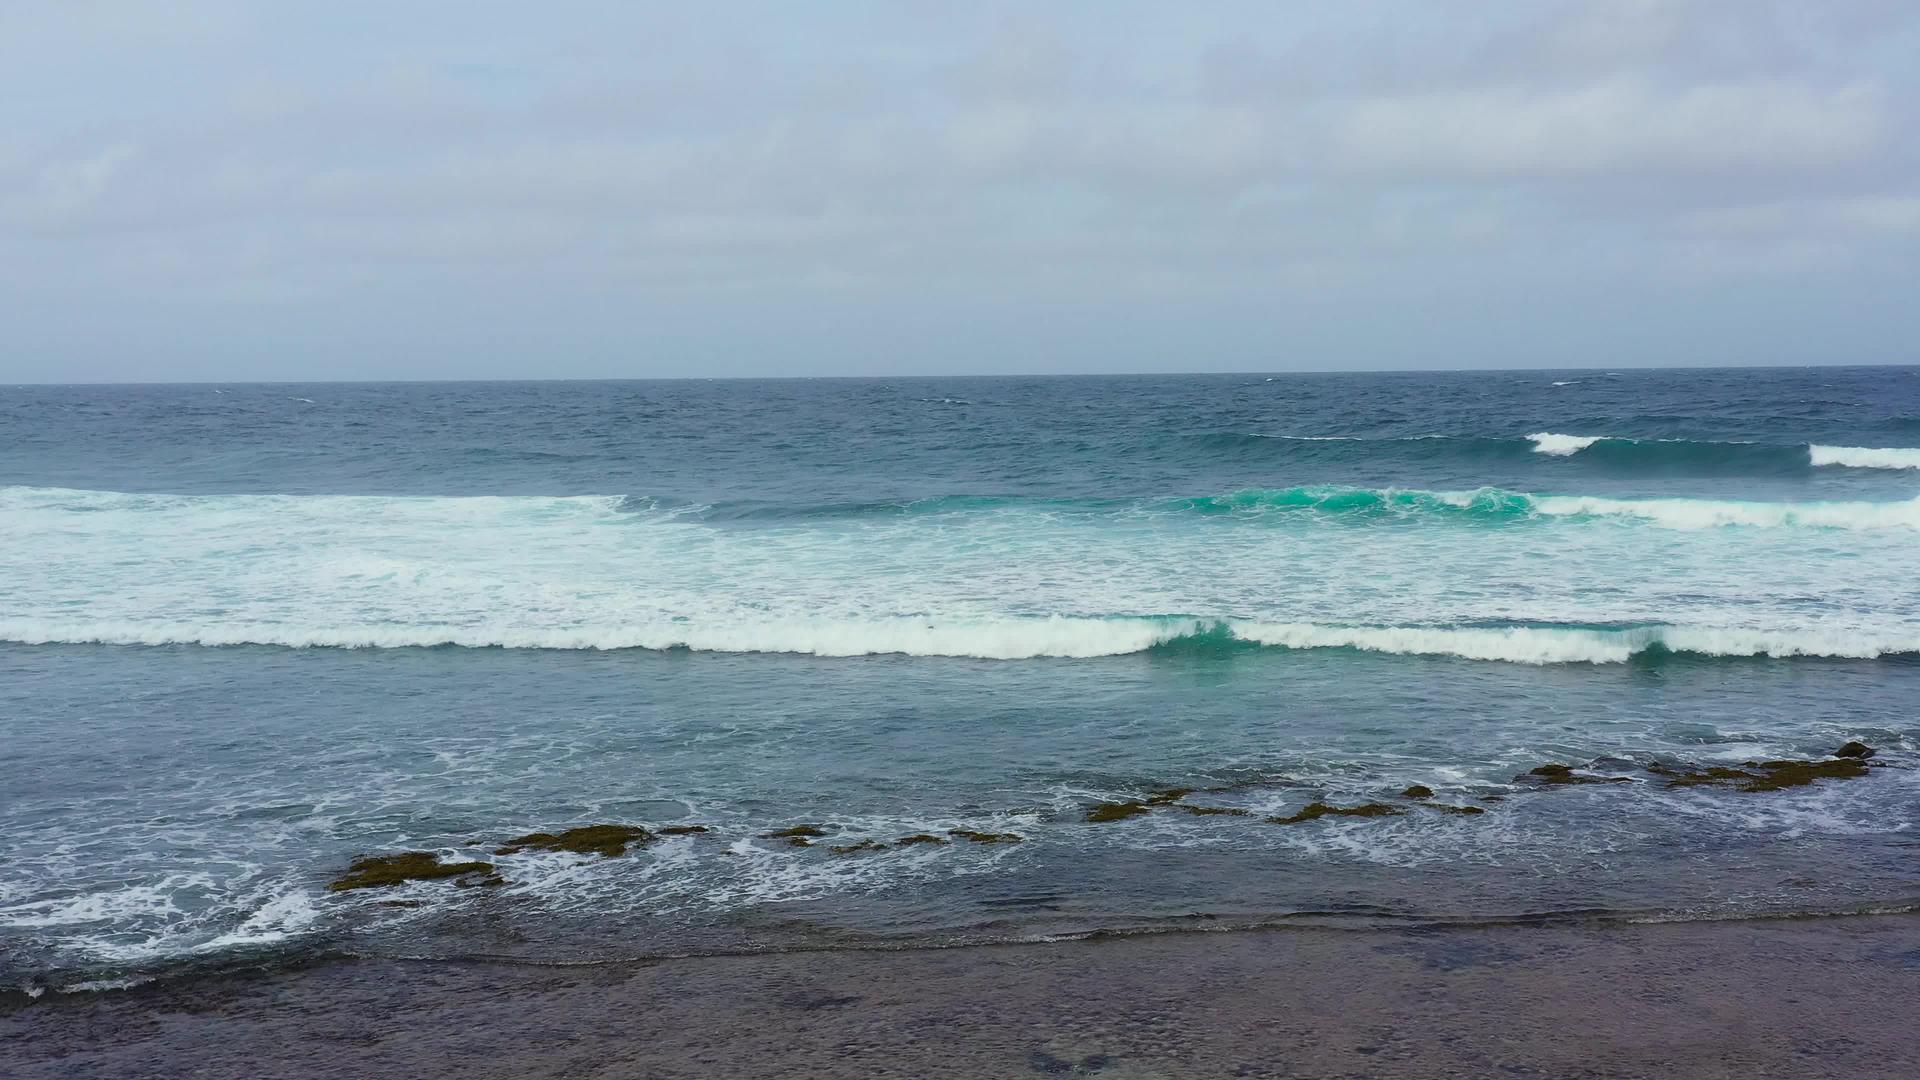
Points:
[(259, 191)]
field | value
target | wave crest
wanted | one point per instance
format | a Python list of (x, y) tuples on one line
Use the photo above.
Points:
[(1019, 638)]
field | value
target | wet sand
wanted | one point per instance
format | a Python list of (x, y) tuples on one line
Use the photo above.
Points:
[(1809, 998)]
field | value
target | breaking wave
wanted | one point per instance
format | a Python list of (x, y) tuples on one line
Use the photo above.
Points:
[(1017, 638), (1865, 457)]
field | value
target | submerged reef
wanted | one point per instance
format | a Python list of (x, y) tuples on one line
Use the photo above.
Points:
[(853, 849), (919, 838), (1316, 810), (381, 871), (1212, 811), (1770, 775), (604, 840)]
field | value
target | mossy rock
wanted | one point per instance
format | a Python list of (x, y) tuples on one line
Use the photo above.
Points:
[(1167, 795), (919, 838), (1855, 750), (381, 871), (986, 837), (795, 832), (1115, 811), (1444, 808), (1556, 773), (1315, 810), (854, 849), (1418, 791), (603, 840), (1773, 775), (1212, 811), (682, 830)]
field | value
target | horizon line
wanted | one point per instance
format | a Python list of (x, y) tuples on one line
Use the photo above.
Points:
[(972, 375)]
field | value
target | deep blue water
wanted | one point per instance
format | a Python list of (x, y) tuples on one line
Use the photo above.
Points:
[(250, 632)]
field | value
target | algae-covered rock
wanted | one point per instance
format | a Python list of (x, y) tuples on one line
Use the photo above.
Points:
[(1167, 795), (603, 840), (682, 830), (1556, 773), (1772, 775), (986, 837), (1115, 811), (854, 849), (1418, 791), (380, 871), (1855, 750), (1315, 810), (919, 838), (1444, 808)]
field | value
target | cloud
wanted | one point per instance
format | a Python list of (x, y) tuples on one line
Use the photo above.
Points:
[(1617, 126), (1125, 157)]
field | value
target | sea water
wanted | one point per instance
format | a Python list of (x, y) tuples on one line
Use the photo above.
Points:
[(249, 633)]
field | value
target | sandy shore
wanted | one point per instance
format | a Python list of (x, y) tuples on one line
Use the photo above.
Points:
[(1835, 997)]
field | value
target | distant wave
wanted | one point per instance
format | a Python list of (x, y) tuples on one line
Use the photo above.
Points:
[(1555, 444), (1615, 452), (1014, 638)]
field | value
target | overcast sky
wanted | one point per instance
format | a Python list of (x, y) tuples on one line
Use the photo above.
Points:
[(259, 190)]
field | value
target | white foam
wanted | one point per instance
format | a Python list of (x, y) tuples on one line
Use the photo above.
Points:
[(1548, 442), (1865, 457)]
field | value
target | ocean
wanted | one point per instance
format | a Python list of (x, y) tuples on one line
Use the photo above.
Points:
[(1097, 647)]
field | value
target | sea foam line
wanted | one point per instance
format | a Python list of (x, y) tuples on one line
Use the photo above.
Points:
[(1018, 638)]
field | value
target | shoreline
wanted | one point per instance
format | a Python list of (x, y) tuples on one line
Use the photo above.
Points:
[(1805, 997)]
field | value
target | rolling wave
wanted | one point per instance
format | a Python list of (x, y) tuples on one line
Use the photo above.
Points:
[(1015, 638), (1323, 501)]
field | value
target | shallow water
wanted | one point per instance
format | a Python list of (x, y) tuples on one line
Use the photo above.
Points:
[(249, 637)]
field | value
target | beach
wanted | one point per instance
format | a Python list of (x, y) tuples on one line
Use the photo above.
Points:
[(1768, 998)]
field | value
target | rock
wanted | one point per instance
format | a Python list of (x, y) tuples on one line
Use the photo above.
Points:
[(919, 838), (682, 830), (986, 837), (380, 871), (603, 840), (864, 845), (1458, 809), (1555, 773), (1855, 750), (794, 832), (1418, 791), (1316, 810), (1115, 811)]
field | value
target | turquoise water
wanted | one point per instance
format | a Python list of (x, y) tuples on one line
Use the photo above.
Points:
[(248, 633)]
